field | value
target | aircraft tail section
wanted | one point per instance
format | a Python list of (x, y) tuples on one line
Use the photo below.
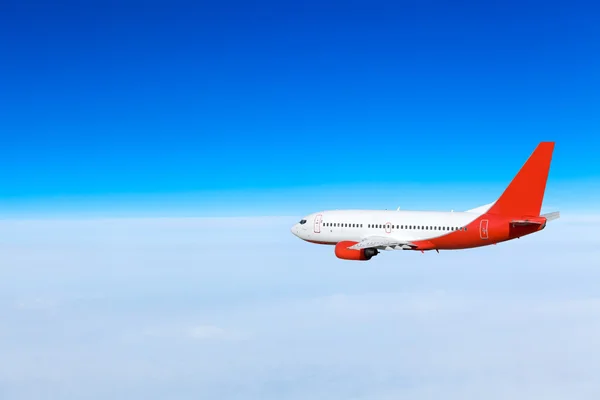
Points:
[(525, 193)]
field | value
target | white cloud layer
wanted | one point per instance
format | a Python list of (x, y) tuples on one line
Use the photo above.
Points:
[(241, 309)]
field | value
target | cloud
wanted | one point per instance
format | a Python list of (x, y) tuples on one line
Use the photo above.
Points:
[(36, 304), (194, 332), (176, 308)]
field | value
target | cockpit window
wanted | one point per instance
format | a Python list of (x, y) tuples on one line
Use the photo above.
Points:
[(302, 221)]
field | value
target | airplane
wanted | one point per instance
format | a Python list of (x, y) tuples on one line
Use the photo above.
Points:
[(361, 234)]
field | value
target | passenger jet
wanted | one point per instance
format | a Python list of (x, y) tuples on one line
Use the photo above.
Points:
[(361, 234)]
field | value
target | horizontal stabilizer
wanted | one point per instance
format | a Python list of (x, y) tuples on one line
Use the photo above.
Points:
[(524, 222), (552, 216)]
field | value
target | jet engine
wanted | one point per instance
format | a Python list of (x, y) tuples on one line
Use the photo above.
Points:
[(342, 251)]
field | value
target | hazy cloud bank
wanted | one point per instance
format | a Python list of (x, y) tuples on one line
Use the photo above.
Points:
[(239, 309)]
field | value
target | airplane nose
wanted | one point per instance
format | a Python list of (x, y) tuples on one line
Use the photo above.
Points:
[(295, 230)]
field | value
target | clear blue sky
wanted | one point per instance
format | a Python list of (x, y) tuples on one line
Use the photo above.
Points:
[(124, 103)]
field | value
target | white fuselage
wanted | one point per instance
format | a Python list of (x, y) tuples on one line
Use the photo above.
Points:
[(330, 227)]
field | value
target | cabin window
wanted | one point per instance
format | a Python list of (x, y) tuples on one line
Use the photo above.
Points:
[(465, 228)]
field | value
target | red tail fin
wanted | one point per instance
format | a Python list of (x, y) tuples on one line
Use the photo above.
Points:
[(525, 193)]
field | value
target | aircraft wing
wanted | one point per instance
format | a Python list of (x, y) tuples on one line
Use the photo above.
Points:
[(383, 243)]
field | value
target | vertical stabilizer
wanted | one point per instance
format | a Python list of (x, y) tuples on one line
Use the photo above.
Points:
[(525, 193)]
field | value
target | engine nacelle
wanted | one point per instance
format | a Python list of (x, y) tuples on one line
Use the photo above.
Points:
[(342, 251)]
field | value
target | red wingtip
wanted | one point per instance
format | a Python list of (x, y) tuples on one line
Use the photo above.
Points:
[(525, 193)]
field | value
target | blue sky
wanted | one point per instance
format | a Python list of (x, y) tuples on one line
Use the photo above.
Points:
[(158, 107)]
